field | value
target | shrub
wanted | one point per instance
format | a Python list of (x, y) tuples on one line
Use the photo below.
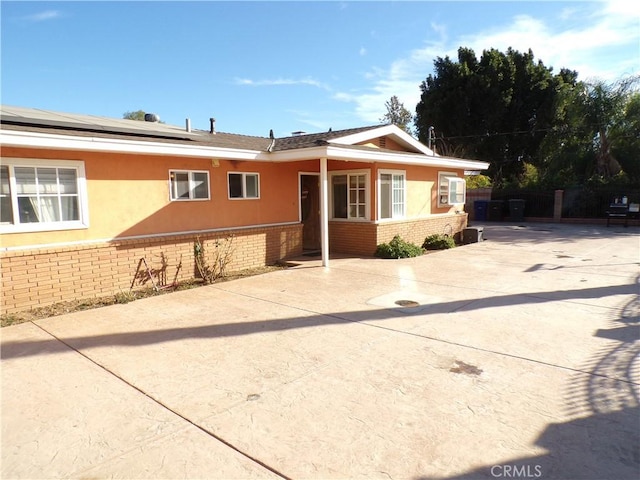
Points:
[(438, 242), (398, 248)]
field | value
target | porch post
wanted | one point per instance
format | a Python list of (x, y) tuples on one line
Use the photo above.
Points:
[(324, 212)]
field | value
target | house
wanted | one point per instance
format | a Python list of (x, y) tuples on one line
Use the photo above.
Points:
[(85, 198)]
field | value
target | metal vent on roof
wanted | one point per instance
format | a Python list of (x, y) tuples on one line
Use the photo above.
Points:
[(151, 117)]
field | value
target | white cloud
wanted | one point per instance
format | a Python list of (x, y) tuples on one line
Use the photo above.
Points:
[(588, 41), (363, 51), (43, 16), (281, 81)]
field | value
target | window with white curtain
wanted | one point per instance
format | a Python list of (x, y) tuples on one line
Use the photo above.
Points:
[(244, 185), (391, 194), (189, 185), (42, 195), (349, 195)]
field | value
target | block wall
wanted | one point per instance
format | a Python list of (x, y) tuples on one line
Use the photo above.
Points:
[(43, 276), (362, 238)]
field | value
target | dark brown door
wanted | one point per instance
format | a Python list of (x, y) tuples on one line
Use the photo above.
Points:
[(310, 207)]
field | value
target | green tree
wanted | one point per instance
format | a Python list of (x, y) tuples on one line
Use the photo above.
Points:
[(625, 138), (596, 135), (498, 108), (137, 115), (397, 114)]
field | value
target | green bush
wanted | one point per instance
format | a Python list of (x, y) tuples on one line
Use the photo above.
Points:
[(398, 248), (438, 242), (478, 181)]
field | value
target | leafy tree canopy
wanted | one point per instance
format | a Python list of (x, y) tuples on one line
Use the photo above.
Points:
[(497, 108), (397, 114), (137, 115)]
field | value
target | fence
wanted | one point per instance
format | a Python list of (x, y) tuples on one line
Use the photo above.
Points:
[(579, 202)]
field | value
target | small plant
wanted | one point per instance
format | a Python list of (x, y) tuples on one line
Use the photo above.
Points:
[(124, 297), (223, 251), (398, 248), (438, 242)]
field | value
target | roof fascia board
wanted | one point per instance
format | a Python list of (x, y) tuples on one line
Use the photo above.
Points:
[(18, 138), (335, 152), (392, 130), (69, 142)]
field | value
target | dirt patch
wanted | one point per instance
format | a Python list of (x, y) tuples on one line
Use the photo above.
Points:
[(70, 306), (465, 368)]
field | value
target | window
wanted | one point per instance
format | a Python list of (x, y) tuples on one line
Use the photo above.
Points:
[(244, 185), (349, 195), (451, 189), (391, 196), (42, 195), (189, 185)]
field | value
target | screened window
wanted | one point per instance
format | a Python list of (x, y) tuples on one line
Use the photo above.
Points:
[(189, 185), (41, 195), (451, 189), (349, 195), (392, 194), (244, 185)]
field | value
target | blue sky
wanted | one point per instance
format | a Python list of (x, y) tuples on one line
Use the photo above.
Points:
[(285, 66)]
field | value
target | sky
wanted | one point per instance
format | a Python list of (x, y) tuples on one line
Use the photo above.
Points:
[(287, 66)]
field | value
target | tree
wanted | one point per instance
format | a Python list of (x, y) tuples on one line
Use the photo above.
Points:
[(397, 114), (625, 138), (137, 115), (498, 108), (596, 136)]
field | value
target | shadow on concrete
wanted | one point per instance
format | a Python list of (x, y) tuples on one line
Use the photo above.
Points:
[(603, 441), (549, 232), (16, 349)]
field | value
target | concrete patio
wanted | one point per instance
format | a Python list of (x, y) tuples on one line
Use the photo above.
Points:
[(520, 358)]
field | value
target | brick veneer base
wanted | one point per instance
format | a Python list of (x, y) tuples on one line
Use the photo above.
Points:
[(43, 276), (361, 238)]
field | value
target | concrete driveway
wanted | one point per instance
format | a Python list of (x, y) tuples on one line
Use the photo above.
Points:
[(517, 357)]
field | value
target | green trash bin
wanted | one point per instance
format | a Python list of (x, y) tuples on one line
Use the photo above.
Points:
[(516, 209), (494, 210)]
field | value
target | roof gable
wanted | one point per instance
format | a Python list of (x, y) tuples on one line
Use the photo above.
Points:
[(394, 132)]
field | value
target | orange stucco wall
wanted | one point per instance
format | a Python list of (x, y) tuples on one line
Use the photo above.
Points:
[(128, 195), (422, 192)]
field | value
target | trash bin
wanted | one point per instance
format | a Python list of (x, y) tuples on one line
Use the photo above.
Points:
[(516, 209), (494, 210), (480, 210), (472, 235)]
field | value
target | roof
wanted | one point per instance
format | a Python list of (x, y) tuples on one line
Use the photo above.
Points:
[(315, 139), (47, 129)]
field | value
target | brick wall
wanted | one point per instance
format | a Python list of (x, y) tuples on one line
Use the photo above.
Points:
[(362, 238), (43, 276)]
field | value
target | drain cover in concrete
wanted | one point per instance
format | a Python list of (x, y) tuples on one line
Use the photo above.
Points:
[(403, 299)]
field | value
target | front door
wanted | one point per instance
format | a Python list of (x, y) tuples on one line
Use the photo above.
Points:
[(310, 211)]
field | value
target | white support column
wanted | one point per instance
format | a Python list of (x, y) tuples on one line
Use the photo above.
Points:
[(324, 212)]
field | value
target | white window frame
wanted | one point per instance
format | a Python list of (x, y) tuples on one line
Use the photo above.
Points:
[(81, 186), (445, 191), (244, 185), (367, 198), (393, 173), (192, 186)]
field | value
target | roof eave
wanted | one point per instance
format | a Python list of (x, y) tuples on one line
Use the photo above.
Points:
[(336, 152), (17, 138)]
